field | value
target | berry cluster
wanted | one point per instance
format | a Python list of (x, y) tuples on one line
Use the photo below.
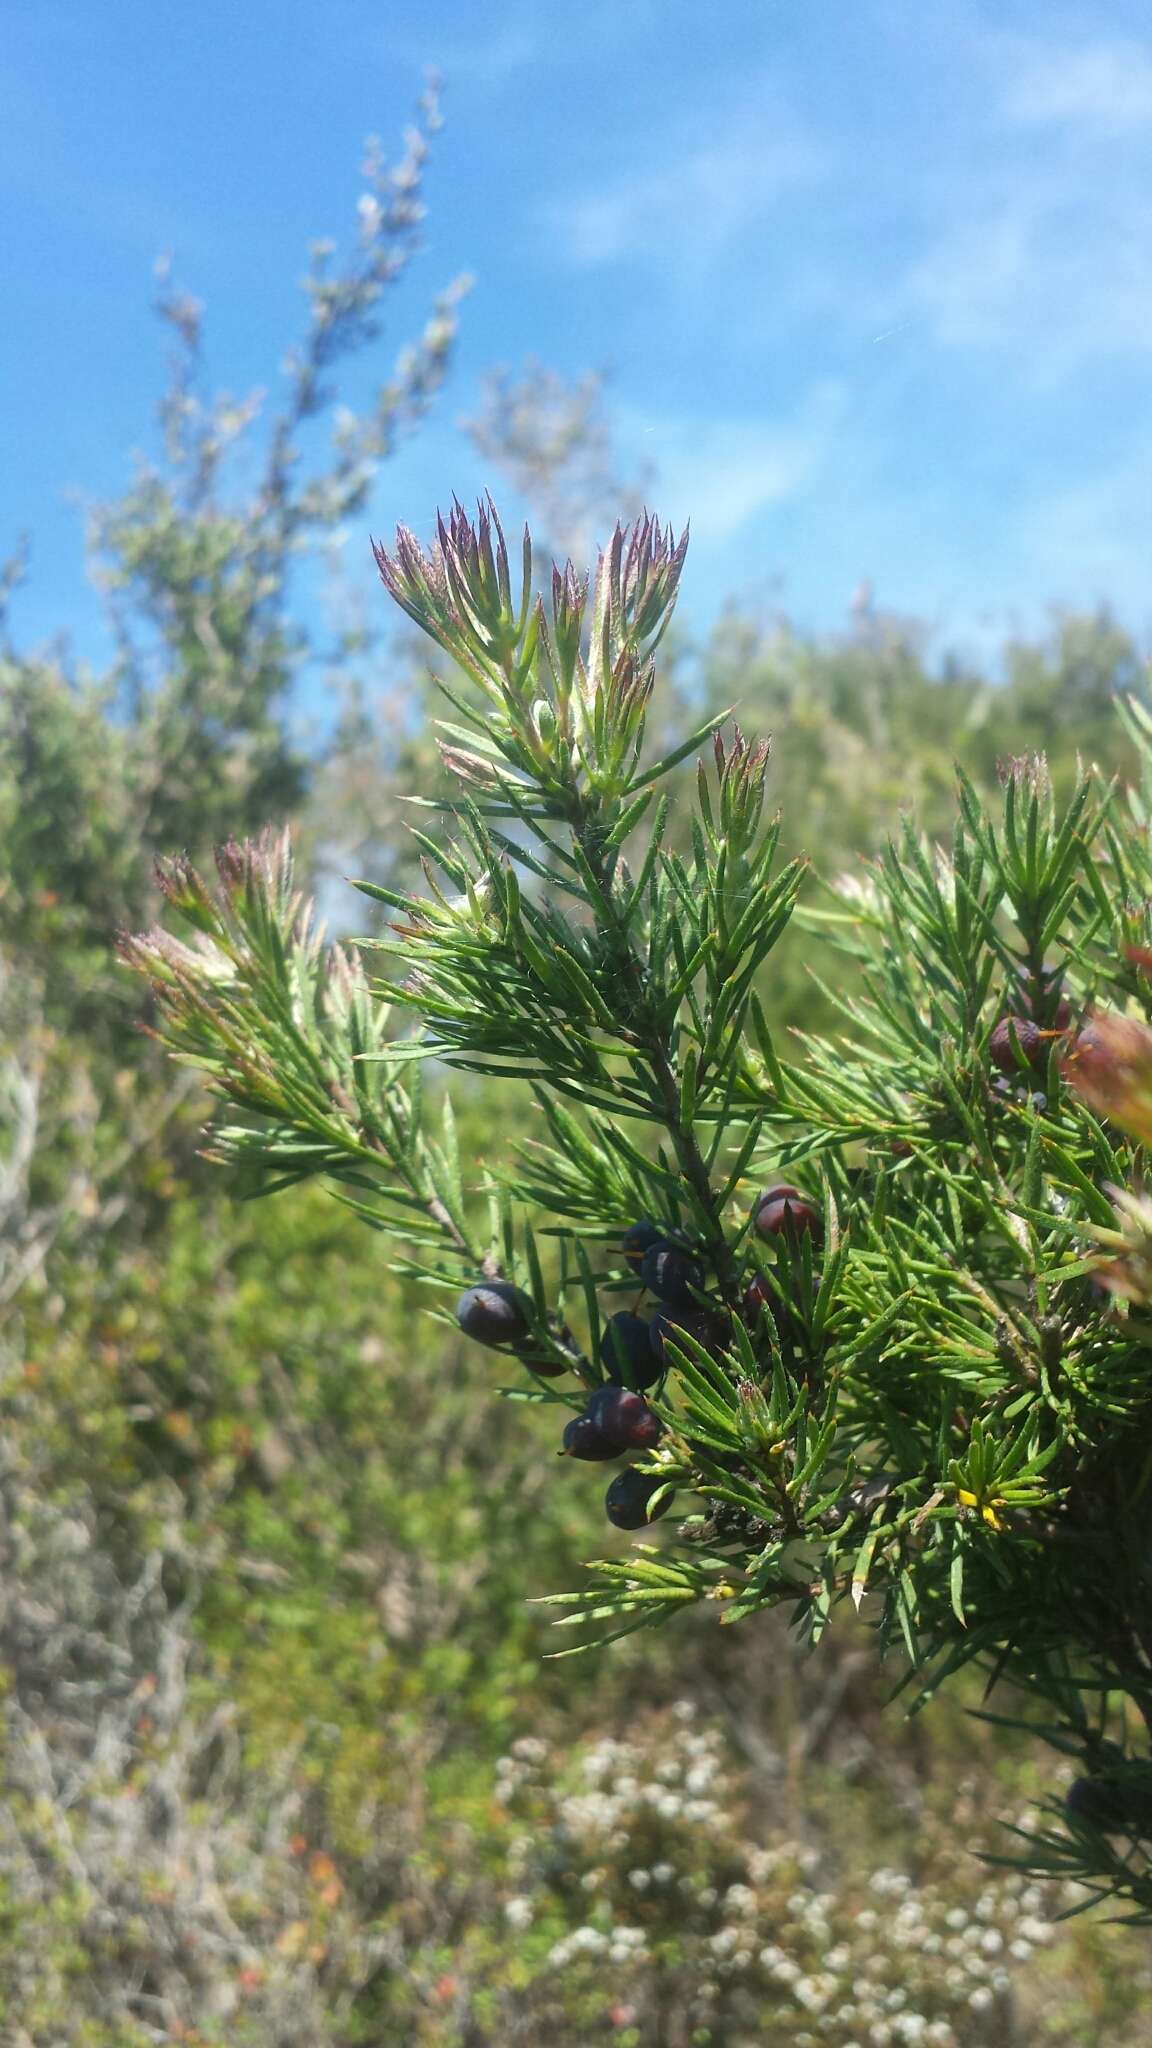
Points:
[(616, 1418)]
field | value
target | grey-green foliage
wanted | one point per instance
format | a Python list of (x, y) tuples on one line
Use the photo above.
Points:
[(184, 738), (185, 734), (922, 1403)]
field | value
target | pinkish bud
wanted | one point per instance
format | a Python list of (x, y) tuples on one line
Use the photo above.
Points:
[(1109, 1065)]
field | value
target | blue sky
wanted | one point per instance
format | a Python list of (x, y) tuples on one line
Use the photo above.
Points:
[(873, 280)]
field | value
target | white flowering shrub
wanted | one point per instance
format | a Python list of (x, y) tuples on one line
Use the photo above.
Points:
[(155, 1888), (641, 1913)]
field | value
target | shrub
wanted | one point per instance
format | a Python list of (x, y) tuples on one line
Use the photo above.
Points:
[(943, 1414)]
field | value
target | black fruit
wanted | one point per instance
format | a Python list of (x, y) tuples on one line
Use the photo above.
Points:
[(638, 1239), (582, 1439), (548, 1367), (627, 1499), (624, 1418), (671, 1274), (707, 1328), (1032, 1041), (1108, 1804), (783, 1211), (626, 1350), (494, 1312)]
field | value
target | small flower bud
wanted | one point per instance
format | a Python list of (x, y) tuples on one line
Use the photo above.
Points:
[(1109, 1064), (1036, 996)]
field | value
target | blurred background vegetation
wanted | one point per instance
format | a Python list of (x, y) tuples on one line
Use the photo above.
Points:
[(283, 1757)]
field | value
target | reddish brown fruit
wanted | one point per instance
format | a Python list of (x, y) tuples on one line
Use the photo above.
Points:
[(704, 1324), (783, 1211), (624, 1418), (1033, 1045)]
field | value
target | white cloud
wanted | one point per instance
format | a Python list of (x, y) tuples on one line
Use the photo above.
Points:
[(708, 189), (1045, 268), (720, 471), (1105, 84)]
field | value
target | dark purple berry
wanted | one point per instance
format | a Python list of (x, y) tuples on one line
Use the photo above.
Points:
[(707, 1327), (582, 1439), (624, 1418), (671, 1274), (1107, 1804), (640, 1238), (626, 1350), (626, 1502), (542, 1362), (1032, 1041), (783, 1211), (494, 1312)]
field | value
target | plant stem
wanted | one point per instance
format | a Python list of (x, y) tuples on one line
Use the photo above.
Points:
[(646, 1032)]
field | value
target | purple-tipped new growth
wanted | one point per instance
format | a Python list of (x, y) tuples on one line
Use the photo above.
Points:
[(460, 590), (639, 578)]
